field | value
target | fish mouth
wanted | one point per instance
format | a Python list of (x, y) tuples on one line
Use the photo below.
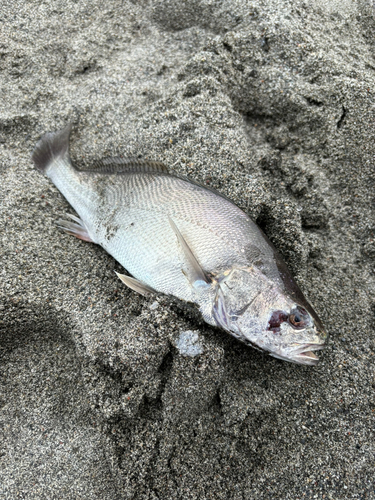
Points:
[(305, 354), (302, 354)]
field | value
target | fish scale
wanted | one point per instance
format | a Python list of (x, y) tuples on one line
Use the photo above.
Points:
[(182, 239), (197, 212)]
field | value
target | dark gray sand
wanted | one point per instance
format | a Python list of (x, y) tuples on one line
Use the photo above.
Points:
[(272, 103)]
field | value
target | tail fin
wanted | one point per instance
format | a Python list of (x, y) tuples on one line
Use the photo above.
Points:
[(50, 147)]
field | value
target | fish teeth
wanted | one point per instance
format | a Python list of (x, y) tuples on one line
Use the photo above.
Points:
[(308, 348)]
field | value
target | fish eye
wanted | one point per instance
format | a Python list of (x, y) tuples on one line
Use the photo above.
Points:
[(295, 320), (298, 317)]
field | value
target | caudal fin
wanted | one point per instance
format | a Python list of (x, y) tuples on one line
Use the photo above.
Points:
[(50, 147)]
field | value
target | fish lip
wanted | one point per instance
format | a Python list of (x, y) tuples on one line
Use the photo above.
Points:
[(301, 348), (302, 354)]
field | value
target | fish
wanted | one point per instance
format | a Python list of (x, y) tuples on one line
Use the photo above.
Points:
[(179, 238)]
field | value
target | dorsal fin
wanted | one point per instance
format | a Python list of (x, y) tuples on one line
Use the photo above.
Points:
[(118, 165)]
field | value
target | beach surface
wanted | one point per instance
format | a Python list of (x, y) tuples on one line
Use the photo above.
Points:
[(105, 394)]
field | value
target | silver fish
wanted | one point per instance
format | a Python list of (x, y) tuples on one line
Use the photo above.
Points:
[(179, 238)]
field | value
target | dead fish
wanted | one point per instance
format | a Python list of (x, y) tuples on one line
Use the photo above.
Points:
[(176, 237)]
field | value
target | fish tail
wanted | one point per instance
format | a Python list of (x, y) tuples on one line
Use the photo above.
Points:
[(51, 147)]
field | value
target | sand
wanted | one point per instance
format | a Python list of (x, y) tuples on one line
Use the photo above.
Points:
[(272, 103)]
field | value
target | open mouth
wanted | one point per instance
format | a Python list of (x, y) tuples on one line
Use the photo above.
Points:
[(303, 354)]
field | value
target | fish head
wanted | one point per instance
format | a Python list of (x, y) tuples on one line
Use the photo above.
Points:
[(262, 313)]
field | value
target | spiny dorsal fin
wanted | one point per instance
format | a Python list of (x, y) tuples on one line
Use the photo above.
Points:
[(118, 165)]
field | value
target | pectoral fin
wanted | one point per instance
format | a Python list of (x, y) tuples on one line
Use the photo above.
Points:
[(136, 285), (193, 270)]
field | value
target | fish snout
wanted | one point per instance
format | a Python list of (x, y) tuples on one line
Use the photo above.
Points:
[(304, 354)]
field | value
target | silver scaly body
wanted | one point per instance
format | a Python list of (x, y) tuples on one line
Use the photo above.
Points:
[(160, 226)]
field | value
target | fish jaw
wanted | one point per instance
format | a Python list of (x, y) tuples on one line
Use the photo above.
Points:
[(302, 354), (297, 347)]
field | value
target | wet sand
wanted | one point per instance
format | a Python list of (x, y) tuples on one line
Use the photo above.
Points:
[(272, 103)]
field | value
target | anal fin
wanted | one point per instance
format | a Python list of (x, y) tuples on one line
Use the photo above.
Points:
[(136, 285), (75, 227)]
